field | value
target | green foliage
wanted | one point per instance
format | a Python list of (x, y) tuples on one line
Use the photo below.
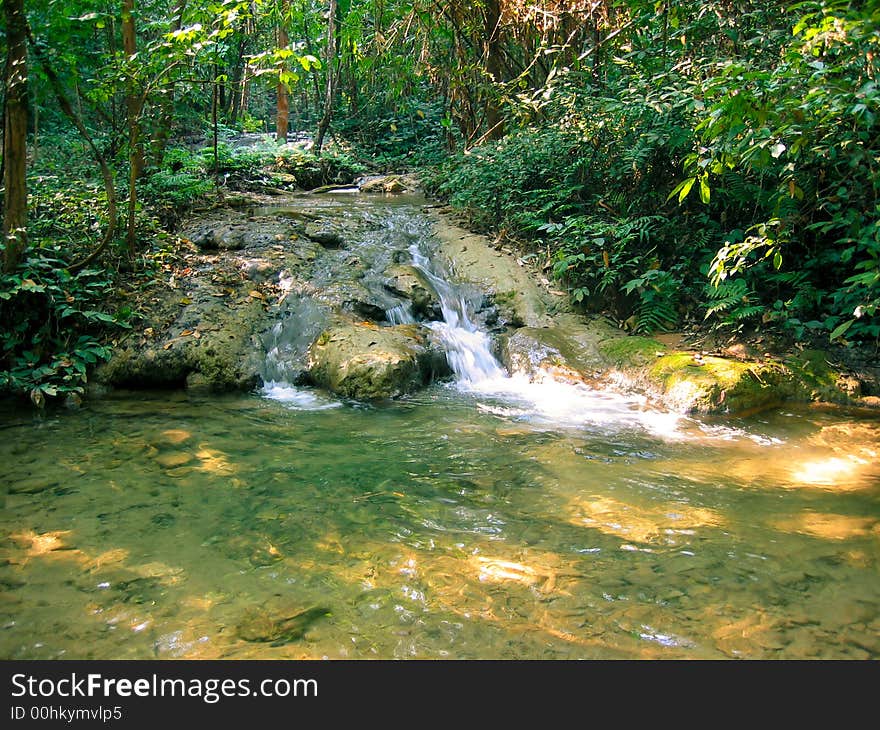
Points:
[(658, 299), (180, 181), (732, 302), (53, 317), (587, 186), (789, 150)]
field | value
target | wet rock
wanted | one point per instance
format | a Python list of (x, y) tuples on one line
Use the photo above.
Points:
[(718, 385), (259, 271), (387, 184), (227, 238), (515, 289), (405, 281), (323, 233), (173, 459), (225, 353), (560, 352), (367, 362), (170, 437), (32, 485)]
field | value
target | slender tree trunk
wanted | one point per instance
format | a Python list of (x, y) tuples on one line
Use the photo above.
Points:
[(330, 83), (166, 105), (15, 136), (494, 69), (133, 106), (215, 131), (238, 73), (244, 104), (133, 103), (106, 172), (282, 117)]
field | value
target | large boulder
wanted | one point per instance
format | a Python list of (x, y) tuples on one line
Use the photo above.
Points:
[(569, 349), (367, 362), (210, 344)]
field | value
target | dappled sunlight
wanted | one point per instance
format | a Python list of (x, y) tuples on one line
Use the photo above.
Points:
[(214, 461), (175, 436), (640, 524), (36, 544), (428, 530), (854, 461), (830, 526), (113, 557), (742, 637), (828, 472)]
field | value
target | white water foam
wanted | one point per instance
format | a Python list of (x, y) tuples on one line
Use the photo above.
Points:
[(299, 399), (545, 401)]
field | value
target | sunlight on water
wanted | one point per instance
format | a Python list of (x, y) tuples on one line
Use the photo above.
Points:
[(490, 517), (174, 526)]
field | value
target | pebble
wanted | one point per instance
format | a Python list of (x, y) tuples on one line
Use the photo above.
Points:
[(172, 459)]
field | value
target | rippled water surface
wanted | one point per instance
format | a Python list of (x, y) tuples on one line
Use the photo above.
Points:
[(452, 524)]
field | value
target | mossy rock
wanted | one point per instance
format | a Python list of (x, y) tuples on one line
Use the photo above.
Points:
[(367, 362), (631, 351), (819, 380), (225, 355), (718, 385), (555, 352)]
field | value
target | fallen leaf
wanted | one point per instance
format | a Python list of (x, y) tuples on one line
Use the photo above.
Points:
[(186, 333), (256, 295)]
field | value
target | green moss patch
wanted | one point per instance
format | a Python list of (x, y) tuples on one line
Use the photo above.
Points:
[(718, 385), (634, 351)]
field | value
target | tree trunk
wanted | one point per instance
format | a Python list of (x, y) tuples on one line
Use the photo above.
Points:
[(166, 105), (330, 84), (15, 136), (282, 117), (133, 101), (133, 111), (493, 51), (106, 172)]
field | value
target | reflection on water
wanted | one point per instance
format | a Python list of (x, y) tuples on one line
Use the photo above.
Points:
[(164, 526)]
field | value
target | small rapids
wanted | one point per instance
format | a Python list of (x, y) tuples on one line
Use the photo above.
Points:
[(516, 396), (480, 380)]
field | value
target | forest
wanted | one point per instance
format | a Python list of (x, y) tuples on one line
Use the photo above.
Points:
[(678, 164)]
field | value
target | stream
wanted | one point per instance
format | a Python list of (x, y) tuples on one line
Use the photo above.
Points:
[(485, 517)]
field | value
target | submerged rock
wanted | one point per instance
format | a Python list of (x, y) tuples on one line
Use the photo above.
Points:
[(262, 625), (368, 362)]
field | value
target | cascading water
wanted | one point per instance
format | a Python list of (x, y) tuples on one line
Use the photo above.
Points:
[(478, 374), (468, 349), (477, 371)]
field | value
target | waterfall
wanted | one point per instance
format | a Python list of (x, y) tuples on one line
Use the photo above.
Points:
[(468, 349), (477, 371)]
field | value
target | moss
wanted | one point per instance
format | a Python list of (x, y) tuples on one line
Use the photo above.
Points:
[(817, 378), (719, 385), (634, 351)]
